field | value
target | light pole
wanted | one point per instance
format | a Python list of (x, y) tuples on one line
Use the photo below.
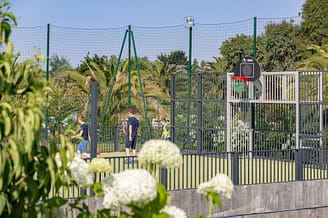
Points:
[(189, 23)]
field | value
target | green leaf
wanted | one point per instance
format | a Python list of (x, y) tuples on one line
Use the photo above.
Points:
[(77, 200), (3, 201), (51, 167), (215, 198), (161, 215), (162, 195), (97, 188), (15, 157), (84, 215), (7, 122), (7, 68), (104, 213), (57, 202), (33, 188)]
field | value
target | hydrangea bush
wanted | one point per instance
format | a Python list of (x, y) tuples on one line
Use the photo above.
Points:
[(135, 192), (130, 187)]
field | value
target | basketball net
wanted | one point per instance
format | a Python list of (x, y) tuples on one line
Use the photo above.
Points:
[(239, 83)]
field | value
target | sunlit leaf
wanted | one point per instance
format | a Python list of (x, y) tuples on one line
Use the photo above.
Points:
[(57, 202)]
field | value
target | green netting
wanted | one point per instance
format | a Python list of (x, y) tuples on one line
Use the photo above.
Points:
[(76, 43)]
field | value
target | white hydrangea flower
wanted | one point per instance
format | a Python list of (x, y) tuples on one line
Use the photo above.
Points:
[(132, 186), (174, 212), (162, 152), (99, 165), (221, 184), (79, 172)]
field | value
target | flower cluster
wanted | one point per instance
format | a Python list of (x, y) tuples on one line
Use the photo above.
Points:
[(220, 184), (174, 212), (136, 189), (79, 172), (99, 165), (130, 187), (164, 153), (82, 172)]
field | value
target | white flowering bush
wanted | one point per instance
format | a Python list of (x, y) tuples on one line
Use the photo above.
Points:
[(160, 152), (135, 192), (80, 173), (135, 189), (130, 187)]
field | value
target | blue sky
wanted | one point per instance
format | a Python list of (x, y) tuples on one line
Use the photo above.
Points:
[(146, 13)]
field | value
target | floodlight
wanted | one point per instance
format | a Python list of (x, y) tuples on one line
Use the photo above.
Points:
[(189, 21)]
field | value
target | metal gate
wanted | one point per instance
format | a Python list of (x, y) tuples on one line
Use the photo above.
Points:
[(281, 110)]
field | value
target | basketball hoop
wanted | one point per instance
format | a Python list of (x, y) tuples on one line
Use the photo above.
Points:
[(239, 83), (245, 70)]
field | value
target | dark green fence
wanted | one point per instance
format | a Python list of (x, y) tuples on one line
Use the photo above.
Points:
[(253, 167)]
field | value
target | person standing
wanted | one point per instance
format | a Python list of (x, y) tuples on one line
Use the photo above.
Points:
[(131, 136), (166, 130), (84, 133)]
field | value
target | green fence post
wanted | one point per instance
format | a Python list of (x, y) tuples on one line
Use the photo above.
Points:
[(129, 67), (140, 85), (47, 78), (106, 105), (189, 23), (199, 112), (173, 113), (254, 37)]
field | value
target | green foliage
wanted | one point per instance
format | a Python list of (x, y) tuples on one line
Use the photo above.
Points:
[(103, 63), (315, 58), (234, 49), (213, 66), (315, 22), (70, 93), (214, 198), (161, 73), (277, 48), (58, 64), (28, 172), (175, 57)]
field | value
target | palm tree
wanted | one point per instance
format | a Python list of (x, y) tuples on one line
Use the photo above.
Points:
[(216, 66), (161, 73), (70, 92), (315, 58), (118, 98), (150, 89)]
